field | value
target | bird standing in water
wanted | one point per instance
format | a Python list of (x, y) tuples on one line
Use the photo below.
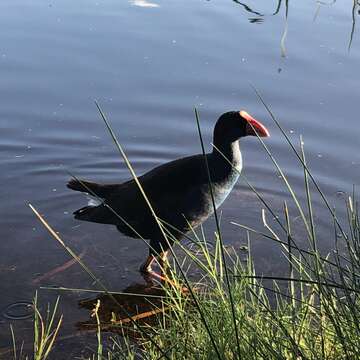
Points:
[(178, 191)]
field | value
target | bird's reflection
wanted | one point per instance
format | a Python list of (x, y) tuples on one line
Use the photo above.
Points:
[(139, 302)]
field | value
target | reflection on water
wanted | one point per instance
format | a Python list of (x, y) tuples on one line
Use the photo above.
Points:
[(248, 9), (138, 302), (355, 11), (144, 3), (260, 17), (149, 63)]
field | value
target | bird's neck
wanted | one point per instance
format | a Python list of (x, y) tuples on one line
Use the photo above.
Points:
[(230, 151)]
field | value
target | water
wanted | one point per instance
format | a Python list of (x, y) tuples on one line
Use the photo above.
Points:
[(149, 64)]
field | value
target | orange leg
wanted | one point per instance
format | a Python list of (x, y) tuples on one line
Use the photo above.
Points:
[(146, 266), (162, 261), (148, 273)]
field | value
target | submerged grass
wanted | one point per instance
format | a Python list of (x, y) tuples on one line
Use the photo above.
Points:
[(230, 312)]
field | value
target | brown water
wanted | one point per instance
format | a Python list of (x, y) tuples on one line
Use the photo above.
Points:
[(148, 66)]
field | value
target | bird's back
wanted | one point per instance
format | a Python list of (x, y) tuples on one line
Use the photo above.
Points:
[(178, 192)]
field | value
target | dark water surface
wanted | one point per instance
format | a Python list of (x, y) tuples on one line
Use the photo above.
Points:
[(149, 64)]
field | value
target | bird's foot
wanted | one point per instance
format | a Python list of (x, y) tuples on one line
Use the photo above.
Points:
[(145, 269)]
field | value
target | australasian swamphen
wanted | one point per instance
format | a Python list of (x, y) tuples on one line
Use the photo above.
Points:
[(178, 191)]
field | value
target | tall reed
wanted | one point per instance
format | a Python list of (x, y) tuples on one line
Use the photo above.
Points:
[(230, 312)]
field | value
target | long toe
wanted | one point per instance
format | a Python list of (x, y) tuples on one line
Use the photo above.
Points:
[(145, 269)]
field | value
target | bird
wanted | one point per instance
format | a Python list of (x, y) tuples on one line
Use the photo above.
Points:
[(180, 191)]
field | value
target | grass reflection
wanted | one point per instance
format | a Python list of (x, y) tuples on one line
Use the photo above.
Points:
[(260, 17), (355, 9)]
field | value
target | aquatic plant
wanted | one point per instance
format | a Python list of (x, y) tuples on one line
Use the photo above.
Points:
[(46, 329), (228, 311)]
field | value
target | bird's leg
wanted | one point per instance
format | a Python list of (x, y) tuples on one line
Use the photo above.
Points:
[(162, 260), (146, 266)]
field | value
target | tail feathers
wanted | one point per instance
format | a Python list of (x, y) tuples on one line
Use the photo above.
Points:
[(98, 214), (86, 186)]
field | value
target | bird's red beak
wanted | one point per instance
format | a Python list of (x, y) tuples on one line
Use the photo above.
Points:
[(253, 126)]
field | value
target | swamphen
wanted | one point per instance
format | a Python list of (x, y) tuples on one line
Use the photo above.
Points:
[(178, 191)]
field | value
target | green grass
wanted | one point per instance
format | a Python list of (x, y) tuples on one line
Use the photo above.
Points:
[(46, 328), (310, 314), (230, 312)]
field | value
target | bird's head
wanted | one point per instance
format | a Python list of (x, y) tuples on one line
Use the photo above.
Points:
[(234, 125)]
